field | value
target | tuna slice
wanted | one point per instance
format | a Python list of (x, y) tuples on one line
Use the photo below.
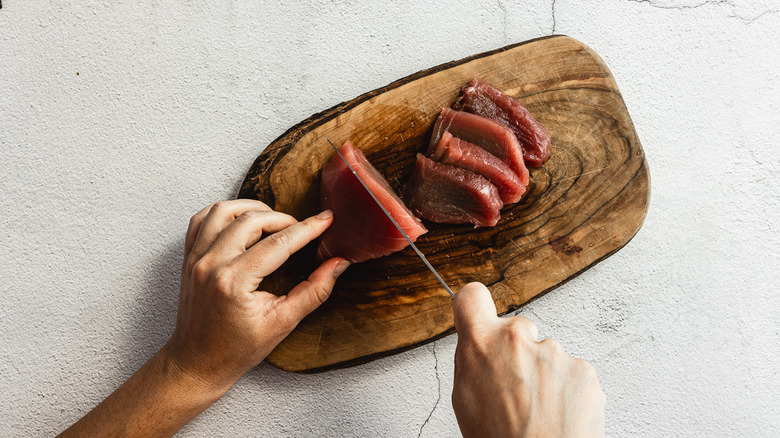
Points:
[(360, 230), (488, 101), (483, 132), (452, 195), (452, 150)]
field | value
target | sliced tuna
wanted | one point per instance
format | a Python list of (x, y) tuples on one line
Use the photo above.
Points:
[(450, 194), (452, 150), (483, 132), (483, 99), (361, 231)]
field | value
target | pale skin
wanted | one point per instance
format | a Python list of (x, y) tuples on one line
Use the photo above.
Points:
[(506, 383), (509, 385)]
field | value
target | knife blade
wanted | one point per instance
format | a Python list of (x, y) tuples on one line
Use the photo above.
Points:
[(389, 216)]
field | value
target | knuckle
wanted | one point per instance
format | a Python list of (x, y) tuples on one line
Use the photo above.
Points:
[(524, 323), (280, 240), (261, 205), (291, 219), (520, 330), (223, 279), (200, 270), (552, 346), (515, 334), (256, 214), (320, 293), (584, 368), (220, 208), (247, 216)]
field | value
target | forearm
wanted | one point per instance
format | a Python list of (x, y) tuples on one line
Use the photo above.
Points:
[(225, 325), (157, 400)]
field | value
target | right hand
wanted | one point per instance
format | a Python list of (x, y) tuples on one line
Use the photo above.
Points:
[(508, 384)]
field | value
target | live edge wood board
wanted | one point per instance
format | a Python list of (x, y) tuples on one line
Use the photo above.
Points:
[(584, 204)]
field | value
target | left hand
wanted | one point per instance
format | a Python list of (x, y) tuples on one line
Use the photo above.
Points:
[(224, 325)]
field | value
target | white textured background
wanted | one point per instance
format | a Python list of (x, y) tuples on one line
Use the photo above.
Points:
[(118, 122)]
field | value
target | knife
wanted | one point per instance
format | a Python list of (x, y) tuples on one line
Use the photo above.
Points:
[(389, 216)]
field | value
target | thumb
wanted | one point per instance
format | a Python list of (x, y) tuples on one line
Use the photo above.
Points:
[(310, 294), (473, 306)]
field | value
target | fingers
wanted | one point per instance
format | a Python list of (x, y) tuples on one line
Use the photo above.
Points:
[(247, 229), (473, 307), (268, 255), (194, 227), (310, 294), (215, 220)]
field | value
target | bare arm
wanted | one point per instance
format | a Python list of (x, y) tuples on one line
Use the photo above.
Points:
[(157, 400), (224, 326)]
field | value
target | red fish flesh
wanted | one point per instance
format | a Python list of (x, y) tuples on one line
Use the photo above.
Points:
[(481, 98), (483, 132), (452, 195), (452, 150), (360, 230)]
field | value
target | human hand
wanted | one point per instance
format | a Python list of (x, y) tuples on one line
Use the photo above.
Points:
[(224, 326), (508, 384)]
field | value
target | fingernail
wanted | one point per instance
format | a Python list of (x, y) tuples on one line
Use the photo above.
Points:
[(325, 214), (340, 268)]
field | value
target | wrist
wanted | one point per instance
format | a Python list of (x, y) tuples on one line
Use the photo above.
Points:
[(201, 389)]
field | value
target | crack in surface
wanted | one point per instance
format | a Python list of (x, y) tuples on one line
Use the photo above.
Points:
[(552, 32), (502, 6), (746, 20), (438, 397), (682, 7)]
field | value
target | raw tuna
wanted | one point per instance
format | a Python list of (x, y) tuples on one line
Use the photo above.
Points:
[(483, 132), (360, 230), (488, 101), (452, 195), (452, 150)]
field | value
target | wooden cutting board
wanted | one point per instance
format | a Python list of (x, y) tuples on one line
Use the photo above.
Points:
[(584, 204)]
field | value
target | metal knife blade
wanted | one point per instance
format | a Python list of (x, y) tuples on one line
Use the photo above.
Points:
[(389, 216)]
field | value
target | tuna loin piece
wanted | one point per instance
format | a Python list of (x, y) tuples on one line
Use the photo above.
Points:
[(452, 195), (483, 132), (360, 230), (452, 150), (488, 101)]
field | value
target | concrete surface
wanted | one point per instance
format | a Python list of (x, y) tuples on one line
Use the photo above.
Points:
[(118, 122)]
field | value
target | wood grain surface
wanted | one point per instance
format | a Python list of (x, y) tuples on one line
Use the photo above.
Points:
[(584, 204)]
